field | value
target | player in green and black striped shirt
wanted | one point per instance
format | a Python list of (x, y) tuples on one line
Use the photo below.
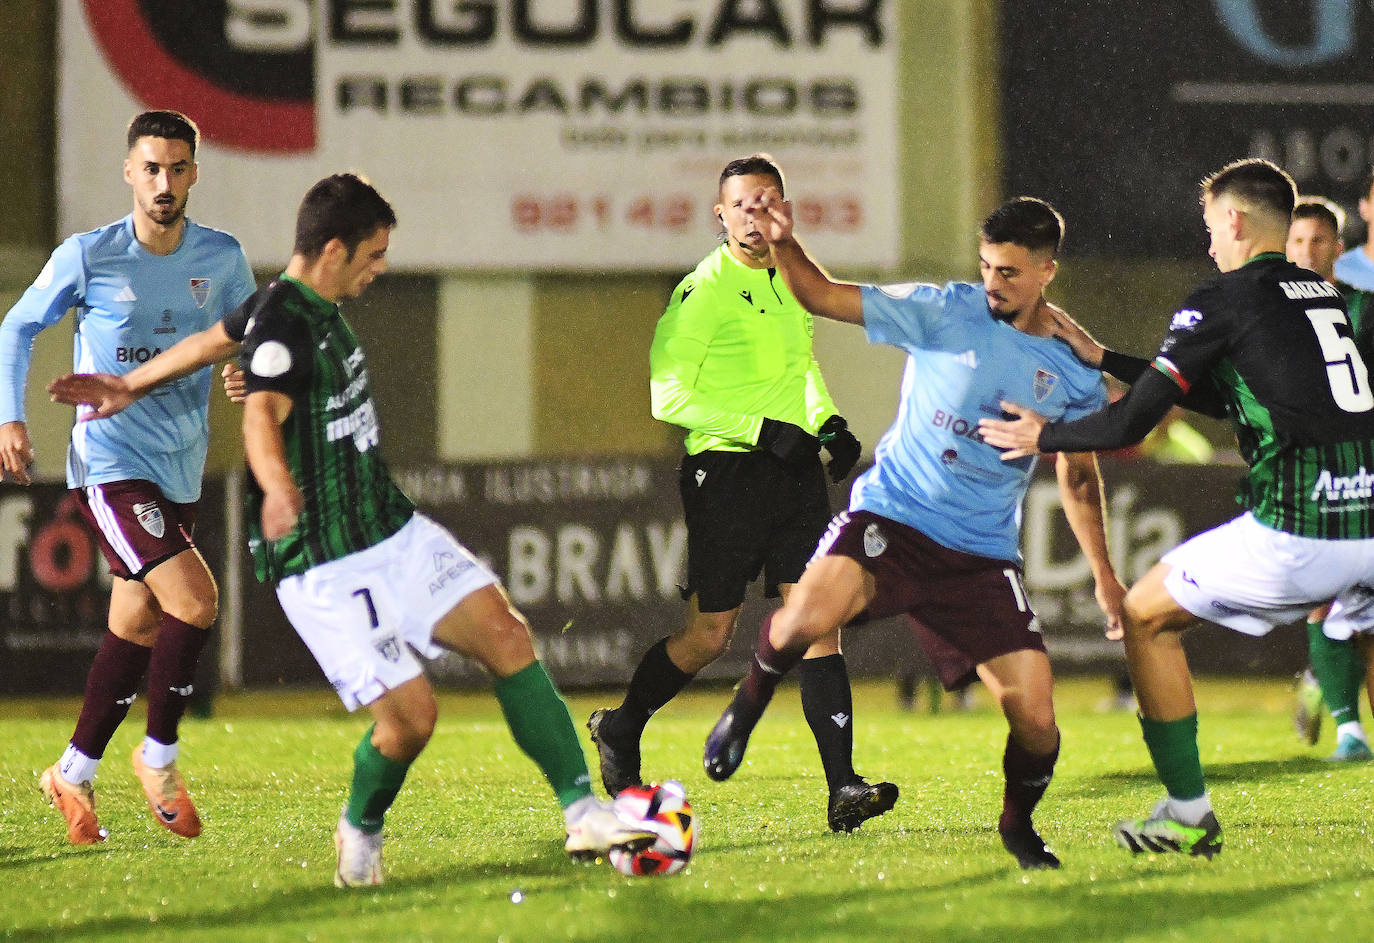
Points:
[(1337, 670), (299, 345), (366, 580), (1271, 346)]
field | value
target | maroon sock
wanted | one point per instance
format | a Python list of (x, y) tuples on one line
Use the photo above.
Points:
[(171, 675), (766, 670), (1027, 777), (110, 688)]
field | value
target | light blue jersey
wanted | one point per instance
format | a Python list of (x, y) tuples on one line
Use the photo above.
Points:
[(1355, 269), (130, 305), (932, 470)]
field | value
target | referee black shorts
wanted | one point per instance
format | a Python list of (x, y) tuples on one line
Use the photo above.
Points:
[(747, 513)]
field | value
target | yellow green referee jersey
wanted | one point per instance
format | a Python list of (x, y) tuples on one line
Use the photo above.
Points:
[(734, 348)]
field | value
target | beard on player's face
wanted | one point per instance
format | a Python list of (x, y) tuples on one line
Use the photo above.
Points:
[(1003, 308), (165, 209)]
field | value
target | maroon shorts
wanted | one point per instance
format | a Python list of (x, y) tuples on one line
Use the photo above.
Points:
[(965, 609), (136, 525)]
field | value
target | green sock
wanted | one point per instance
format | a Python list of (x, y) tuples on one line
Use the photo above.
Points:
[(1339, 670), (376, 781), (541, 725), (1173, 747)]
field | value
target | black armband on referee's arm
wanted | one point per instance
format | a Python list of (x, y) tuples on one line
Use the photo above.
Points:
[(1123, 423), (1124, 367)]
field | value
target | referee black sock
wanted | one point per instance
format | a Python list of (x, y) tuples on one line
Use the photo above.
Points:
[(656, 681), (829, 709)]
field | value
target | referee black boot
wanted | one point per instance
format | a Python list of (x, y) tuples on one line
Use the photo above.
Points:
[(855, 803)]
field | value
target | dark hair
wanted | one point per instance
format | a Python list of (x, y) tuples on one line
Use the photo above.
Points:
[(344, 207), (760, 164), (1256, 182), (1367, 181), (1027, 222), (172, 125), (1319, 207)]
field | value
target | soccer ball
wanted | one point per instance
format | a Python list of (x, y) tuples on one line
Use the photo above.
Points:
[(665, 810)]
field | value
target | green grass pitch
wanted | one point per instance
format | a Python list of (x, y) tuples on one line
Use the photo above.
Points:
[(474, 844)]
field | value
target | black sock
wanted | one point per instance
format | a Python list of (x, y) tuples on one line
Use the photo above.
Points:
[(655, 682), (1027, 777), (829, 709)]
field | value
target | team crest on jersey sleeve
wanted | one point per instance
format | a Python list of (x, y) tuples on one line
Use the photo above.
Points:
[(200, 291), (1044, 385)]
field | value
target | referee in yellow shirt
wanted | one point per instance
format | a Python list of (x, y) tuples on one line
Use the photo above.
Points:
[(731, 363)]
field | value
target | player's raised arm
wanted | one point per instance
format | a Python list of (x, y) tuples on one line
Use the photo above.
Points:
[(809, 283), (109, 394)]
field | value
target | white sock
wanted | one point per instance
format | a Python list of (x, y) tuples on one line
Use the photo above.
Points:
[(1352, 728), (77, 767), (1189, 811), (159, 755), (580, 808)]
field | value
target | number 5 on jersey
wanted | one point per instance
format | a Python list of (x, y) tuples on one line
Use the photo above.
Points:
[(1345, 370)]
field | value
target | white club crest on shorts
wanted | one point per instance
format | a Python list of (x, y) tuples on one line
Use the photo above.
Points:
[(150, 518), (700, 476), (874, 541), (389, 648)]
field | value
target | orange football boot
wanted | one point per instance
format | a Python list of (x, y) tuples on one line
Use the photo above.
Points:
[(167, 797), (76, 802)]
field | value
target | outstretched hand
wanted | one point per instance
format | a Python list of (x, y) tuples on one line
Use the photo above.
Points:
[(772, 215), (105, 393), (1018, 437)]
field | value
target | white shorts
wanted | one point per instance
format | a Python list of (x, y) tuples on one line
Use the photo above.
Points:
[(1351, 614), (362, 615), (1250, 577)]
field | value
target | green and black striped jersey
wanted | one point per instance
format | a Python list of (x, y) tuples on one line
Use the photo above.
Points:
[(298, 344), (1277, 342)]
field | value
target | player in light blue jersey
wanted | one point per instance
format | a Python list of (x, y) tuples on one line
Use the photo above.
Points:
[(932, 472), (1355, 266), (932, 529), (138, 286)]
